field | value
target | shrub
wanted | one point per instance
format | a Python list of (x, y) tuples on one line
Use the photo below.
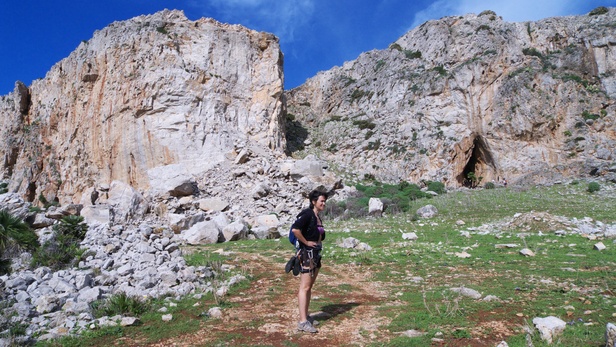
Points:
[(482, 27), (598, 11), (473, 179), (63, 249), (487, 13), (358, 94), (489, 185), (4, 188), (440, 69), (369, 177), (45, 202), (532, 52), (572, 77), (395, 46), (373, 145), (15, 234), (587, 115), (412, 54), (120, 304), (593, 187), (437, 187), (335, 209), (397, 196), (364, 124)]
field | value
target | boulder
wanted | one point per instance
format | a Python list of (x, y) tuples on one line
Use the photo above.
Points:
[(125, 202), (610, 335), (41, 221), (214, 204), (205, 232), (179, 221), (349, 242), (549, 327), (235, 231), (467, 292), (409, 236), (309, 166), (375, 207), (427, 211), (173, 180), (96, 214)]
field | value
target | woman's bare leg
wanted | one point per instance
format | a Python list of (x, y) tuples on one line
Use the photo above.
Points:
[(305, 293)]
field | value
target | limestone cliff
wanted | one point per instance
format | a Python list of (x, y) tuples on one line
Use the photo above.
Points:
[(154, 92), (471, 95), (454, 98)]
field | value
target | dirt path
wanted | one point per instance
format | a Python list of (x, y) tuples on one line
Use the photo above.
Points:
[(264, 315)]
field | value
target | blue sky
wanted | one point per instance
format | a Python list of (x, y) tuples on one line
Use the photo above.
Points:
[(315, 35)]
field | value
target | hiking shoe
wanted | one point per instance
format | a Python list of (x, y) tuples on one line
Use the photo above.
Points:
[(312, 321), (296, 266), (289, 265), (306, 326)]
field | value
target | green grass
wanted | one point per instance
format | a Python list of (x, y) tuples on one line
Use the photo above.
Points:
[(566, 278), (535, 286)]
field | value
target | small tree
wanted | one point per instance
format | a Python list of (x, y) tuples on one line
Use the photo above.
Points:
[(475, 181), (15, 234)]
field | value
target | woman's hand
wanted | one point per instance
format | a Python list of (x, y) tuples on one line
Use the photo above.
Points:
[(311, 243)]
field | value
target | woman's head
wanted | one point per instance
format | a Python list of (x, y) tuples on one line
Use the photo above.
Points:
[(317, 198)]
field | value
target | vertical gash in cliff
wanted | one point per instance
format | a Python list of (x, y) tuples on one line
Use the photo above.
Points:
[(142, 96)]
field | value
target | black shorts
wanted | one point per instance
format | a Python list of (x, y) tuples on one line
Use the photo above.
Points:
[(310, 259)]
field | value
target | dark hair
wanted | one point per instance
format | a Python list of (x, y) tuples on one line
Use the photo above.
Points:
[(315, 195)]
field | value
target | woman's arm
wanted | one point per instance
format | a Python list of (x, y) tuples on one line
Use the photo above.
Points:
[(302, 239)]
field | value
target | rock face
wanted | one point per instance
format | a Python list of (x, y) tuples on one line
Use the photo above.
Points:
[(156, 93), (471, 95)]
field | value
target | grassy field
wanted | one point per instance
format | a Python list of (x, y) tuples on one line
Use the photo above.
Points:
[(565, 278)]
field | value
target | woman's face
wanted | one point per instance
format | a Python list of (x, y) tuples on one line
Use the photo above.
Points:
[(319, 204)]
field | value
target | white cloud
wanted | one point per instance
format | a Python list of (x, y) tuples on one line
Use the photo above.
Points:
[(282, 18)]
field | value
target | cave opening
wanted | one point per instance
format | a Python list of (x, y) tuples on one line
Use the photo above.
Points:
[(480, 165), (30, 192)]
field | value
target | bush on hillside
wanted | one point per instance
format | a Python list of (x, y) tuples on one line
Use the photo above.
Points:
[(15, 235), (120, 304), (598, 11), (437, 187), (396, 198), (4, 188), (593, 187), (63, 249)]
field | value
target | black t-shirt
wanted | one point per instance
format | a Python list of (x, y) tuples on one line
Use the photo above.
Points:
[(307, 222)]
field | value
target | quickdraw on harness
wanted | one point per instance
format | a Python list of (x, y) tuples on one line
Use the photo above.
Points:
[(310, 258)]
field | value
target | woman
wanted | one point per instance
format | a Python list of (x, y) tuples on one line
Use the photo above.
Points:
[(310, 233)]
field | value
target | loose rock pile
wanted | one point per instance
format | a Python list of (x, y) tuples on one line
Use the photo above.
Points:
[(135, 241), (142, 262)]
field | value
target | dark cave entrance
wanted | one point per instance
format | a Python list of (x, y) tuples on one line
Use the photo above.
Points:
[(480, 167), (30, 192)]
